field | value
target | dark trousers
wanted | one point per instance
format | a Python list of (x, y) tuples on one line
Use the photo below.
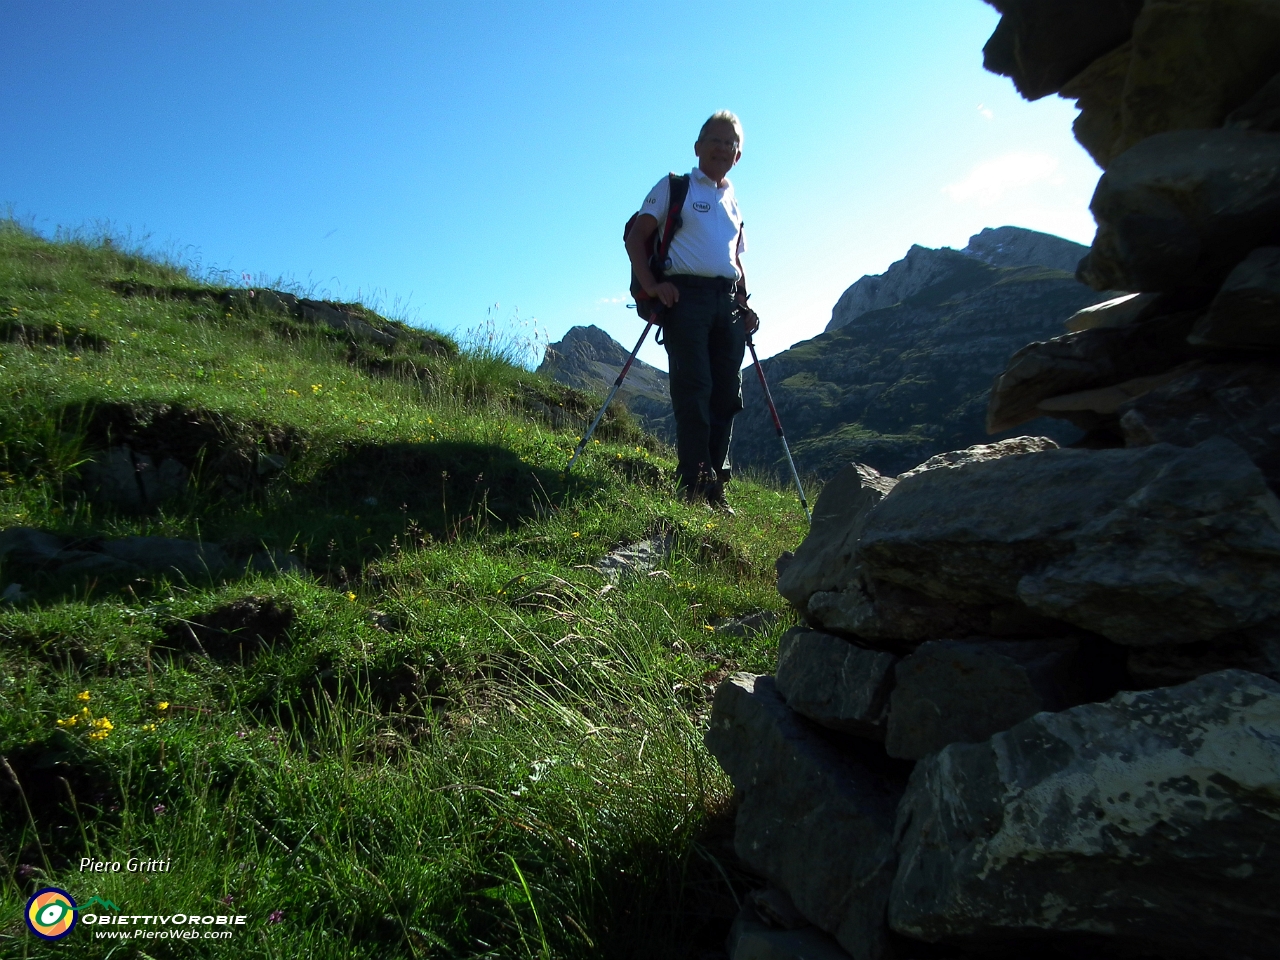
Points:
[(705, 340)]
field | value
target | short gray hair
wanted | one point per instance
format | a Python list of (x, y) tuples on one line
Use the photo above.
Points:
[(723, 116)]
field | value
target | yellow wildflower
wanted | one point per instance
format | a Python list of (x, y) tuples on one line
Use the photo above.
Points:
[(162, 705), (709, 628), (83, 696), (350, 596), (149, 728), (575, 534)]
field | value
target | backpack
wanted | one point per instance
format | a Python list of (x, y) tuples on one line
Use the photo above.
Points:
[(647, 307)]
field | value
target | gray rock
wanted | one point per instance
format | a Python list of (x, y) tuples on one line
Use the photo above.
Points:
[(744, 626), (952, 691), (834, 682), (890, 613), (1041, 44), (1098, 91), (1181, 209), (813, 821), (1087, 360), (982, 452), (822, 561), (186, 558), (634, 559), (1149, 820), (1246, 311), (1146, 546), (125, 478), (1118, 312), (1256, 650), (752, 939), (1239, 401), (89, 564), (1192, 555), (1261, 112), (28, 549)]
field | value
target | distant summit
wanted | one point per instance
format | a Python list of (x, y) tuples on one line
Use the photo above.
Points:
[(589, 359), (923, 267)]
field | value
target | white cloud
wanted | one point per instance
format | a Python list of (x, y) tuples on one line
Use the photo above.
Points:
[(986, 111), (992, 179)]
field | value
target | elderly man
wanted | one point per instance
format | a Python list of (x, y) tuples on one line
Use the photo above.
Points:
[(705, 319)]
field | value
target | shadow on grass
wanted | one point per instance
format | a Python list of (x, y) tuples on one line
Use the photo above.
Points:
[(373, 499)]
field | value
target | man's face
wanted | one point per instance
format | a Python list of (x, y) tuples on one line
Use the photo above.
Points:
[(718, 149)]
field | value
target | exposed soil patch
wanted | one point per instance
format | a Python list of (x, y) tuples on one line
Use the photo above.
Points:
[(237, 631), (51, 335)]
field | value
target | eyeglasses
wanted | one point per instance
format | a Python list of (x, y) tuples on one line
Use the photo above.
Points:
[(717, 142)]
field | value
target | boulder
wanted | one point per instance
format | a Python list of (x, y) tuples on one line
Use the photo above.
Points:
[(889, 614), (1098, 91), (1181, 209), (1246, 311), (1256, 650), (1102, 356), (821, 562), (952, 691), (1239, 401), (1090, 408), (834, 682), (190, 559), (1119, 312), (1261, 112), (813, 820), (1041, 44), (1148, 822), (750, 938), (1194, 62), (25, 549), (982, 452), (1144, 546), (124, 478)]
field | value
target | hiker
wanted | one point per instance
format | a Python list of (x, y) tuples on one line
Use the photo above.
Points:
[(702, 290)]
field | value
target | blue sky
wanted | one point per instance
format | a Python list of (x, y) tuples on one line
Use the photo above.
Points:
[(441, 159)]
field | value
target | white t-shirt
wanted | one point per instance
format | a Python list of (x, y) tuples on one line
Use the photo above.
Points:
[(710, 239)]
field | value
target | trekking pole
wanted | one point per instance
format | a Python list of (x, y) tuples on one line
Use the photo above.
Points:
[(607, 400), (768, 398)]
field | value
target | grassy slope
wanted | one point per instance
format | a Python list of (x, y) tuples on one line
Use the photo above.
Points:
[(462, 742)]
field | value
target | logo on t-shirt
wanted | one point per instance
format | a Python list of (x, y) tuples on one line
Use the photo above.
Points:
[(701, 206)]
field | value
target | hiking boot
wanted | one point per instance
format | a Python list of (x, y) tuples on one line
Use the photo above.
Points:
[(717, 499)]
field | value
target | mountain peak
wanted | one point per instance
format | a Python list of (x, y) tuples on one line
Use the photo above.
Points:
[(924, 266)]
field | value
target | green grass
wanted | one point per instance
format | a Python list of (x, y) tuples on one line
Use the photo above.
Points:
[(457, 739)]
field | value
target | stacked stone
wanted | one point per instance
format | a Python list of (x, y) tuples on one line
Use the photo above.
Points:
[(1035, 704)]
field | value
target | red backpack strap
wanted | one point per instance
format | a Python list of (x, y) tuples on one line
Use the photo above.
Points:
[(677, 190)]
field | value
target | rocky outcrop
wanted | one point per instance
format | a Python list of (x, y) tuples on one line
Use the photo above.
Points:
[(1041, 44), (834, 682), (30, 556), (952, 691), (892, 386), (1078, 648), (813, 820), (1147, 820), (589, 359), (1191, 64), (1182, 209)]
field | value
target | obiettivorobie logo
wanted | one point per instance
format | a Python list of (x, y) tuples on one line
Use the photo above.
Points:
[(51, 913)]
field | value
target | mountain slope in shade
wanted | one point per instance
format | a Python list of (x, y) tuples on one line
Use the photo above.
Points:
[(590, 359), (898, 384), (924, 266)]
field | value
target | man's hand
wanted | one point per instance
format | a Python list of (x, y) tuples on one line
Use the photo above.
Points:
[(665, 292), (749, 316)]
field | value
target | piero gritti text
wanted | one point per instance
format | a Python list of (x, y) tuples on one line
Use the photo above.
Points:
[(132, 865)]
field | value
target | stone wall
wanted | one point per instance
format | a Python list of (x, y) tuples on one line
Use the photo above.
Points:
[(1035, 702)]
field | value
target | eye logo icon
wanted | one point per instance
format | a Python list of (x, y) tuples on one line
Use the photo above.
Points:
[(51, 913)]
